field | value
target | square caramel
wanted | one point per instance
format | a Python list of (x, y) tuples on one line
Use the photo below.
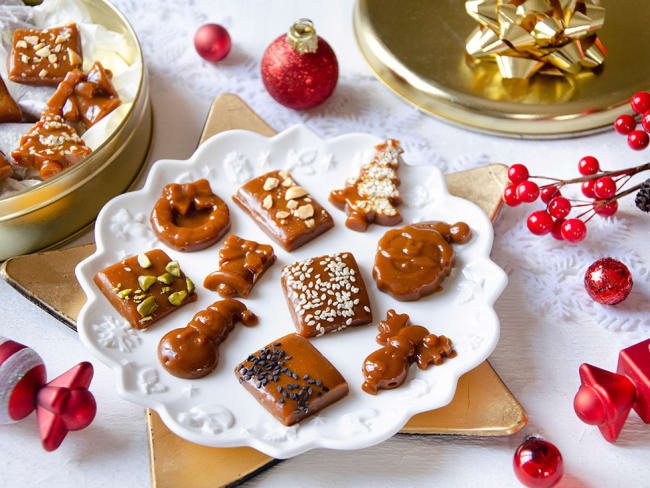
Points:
[(9, 110), (283, 209), (326, 294), (291, 379), (44, 56), (146, 287)]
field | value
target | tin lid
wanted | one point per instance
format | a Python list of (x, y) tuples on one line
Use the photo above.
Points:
[(417, 49)]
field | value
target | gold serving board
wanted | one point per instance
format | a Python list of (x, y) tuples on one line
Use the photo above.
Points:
[(482, 406)]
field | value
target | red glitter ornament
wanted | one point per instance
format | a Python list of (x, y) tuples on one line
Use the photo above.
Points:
[(538, 463), (299, 69), (212, 42), (608, 281)]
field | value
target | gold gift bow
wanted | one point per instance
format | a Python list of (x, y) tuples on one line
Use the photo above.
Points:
[(526, 36)]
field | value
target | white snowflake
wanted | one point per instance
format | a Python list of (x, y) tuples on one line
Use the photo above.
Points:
[(302, 161), (238, 169), (132, 227), (117, 334)]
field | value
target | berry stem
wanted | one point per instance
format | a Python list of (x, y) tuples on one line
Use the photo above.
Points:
[(625, 172)]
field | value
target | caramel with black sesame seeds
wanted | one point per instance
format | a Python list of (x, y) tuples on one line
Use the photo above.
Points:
[(291, 379)]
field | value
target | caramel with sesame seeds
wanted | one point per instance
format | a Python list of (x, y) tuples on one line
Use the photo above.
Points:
[(326, 294), (124, 275), (193, 351), (291, 379), (241, 264), (30, 62), (284, 211), (373, 196)]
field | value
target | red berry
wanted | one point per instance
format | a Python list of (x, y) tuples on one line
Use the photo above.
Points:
[(527, 191), (510, 196), (559, 207), (547, 193), (588, 166), (556, 232), (640, 102), (624, 124), (606, 209), (645, 121), (638, 140), (538, 463), (574, 230), (517, 173), (588, 188), (540, 223), (605, 187)]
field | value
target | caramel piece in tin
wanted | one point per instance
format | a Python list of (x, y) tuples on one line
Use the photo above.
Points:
[(413, 261), (404, 344), (44, 56), (291, 379), (326, 294), (9, 110), (5, 168), (373, 196), (193, 351), (241, 264), (50, 146), (88, 98), (146, 287), (283, 209), (189, 217)]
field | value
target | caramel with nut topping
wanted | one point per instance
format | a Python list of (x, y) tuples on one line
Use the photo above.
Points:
[(146, 287), (9, 110), (373, 196), (283, 209), (85, 97), (189, 217), (193, 351), (50, 146), (44, 56), (412, 262), (241, 264), (404, 344)]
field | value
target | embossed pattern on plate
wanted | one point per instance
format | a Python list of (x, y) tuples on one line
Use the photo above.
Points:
[(216, 410)]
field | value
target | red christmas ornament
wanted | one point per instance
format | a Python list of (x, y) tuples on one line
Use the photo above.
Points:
[(212, 42), (608, 281), (62, 405), (299, 69), (605, 399), (538, 463)]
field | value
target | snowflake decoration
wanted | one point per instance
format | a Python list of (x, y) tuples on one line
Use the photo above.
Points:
[(116, 334), (149, 382)]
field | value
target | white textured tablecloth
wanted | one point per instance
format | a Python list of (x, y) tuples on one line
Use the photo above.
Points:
[(548, 324)]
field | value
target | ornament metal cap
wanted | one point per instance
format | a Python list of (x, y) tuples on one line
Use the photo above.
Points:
[(302, 36)]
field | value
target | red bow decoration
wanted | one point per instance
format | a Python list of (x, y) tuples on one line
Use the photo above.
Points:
[(62, 405), (605, 399)]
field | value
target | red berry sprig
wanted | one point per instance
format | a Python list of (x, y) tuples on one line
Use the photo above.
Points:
[(604, 188), (637, 139)]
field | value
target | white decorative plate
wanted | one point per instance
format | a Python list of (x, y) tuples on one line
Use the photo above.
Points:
[(216, 410)]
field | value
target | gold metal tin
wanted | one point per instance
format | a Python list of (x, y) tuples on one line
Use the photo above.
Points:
[(417, 48), (59, 208)]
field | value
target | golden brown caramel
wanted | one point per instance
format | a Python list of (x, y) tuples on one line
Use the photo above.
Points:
[(9, 110)]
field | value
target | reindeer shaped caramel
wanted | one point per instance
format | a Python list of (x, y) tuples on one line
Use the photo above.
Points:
[(193, 351), (386, 368)]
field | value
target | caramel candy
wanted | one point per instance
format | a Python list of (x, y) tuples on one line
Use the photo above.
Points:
[(373, 195), (5, 168), (189, 217), (88, 98), (404, 344), (146, 287), (283, 209), (291, 379), (9, 110), (50, 146), (413, 261), (44, 57), (326, 294), (241, 264), (193, 352)]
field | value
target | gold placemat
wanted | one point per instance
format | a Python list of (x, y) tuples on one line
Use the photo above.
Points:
[(482, 404)]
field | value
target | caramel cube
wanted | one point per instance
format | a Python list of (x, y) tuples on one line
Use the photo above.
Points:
[(146, 287), (44, 56), (326, 294), (291, 379), (9, 110)]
